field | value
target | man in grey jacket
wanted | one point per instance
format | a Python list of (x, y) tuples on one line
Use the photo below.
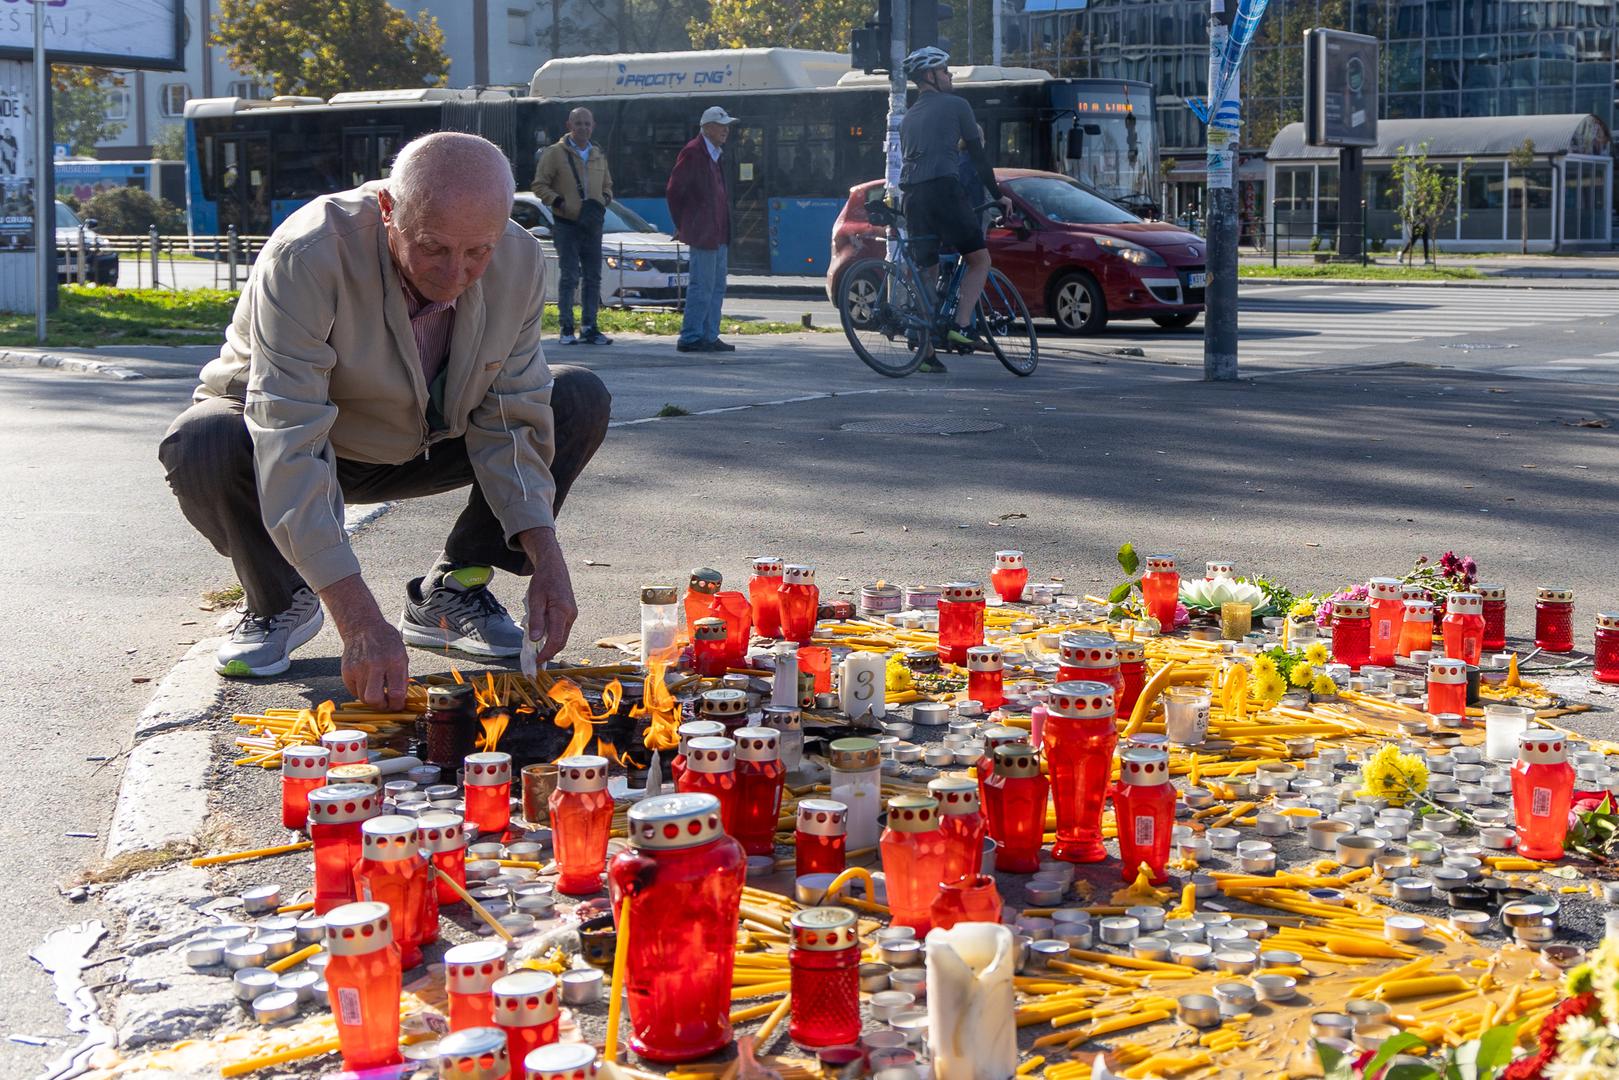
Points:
[(388, 346)]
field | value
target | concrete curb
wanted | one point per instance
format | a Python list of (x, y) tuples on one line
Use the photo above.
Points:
[(1476, 283), (78, 364)]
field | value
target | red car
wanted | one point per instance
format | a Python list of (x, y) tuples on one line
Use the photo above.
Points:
[(1077, 258)]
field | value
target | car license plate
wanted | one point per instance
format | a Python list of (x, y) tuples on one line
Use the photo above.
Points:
[(674, 280), (1197, 281)]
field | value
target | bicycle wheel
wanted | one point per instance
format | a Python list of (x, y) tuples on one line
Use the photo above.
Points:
[(885, 321), (1004, 322)]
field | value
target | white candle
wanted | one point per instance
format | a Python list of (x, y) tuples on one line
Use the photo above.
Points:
[(972, 1033), (784, 690), (862, 685)]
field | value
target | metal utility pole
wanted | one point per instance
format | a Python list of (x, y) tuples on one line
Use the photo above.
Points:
[(901, 19), (44, 200), (1220, 292)]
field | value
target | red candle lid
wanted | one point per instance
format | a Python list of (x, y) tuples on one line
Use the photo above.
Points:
[(725, 702), (440, 831), (1160, 564), (1608, 620), (711, 754), (793, 574), (1016, 761), (1444, 669), (822, 817), (708, 630), (304, 762), (956, 794), (1465, 603), (1351, 609), (1383, 588), (1541, 746), (390, 838), (489, 769), (1080, 700), (768, 565), (582, 773), (824, 929), (474, 967), (561, 1061), (1554, 594), (1088, 650), (477, 1053), (783, 718), (757, 744), (913, 814), (358, 929), (1144, 766), (1491, 592), (962, 592), (665, 822), (705, 580), (659, 595), (984, 658), (344, 747), (1009, 560), (339, 804), (525, 999), (1218, 568)]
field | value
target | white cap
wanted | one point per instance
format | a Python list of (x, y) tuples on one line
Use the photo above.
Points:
[(714, 114)]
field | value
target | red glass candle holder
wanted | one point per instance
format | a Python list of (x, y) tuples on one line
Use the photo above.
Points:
[(336, 813), (444, 838), (759, 780), (581, 818), (1079, 740), (1011, 574), (450, 723), (1388, 617), (961, 820), (1495, 616), (1144, 810), (1090, 658), (816, 661), (764, 589), (994, 738), (303, 769), (1554, 619), (1352, 633), (1463, 627), (1416, 627), (711, 770), (1447, 686), (1016, 808), (1132, 676), (1542, 791), (684, 878), (985, 674), (470, 972), (701, 588), (913, 852), (1607, 647), (528, 1010), (961, 620), (708, 647), (478, 1053), (969, 899), (800, 603), (1161, 590), (344, 747), (824, 967), (820, 837), (392, 871), (692, 729), (363, 981), (488, 782), (734, 609)]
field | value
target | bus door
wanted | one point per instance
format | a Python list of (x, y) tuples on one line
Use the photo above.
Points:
[(368, 153), (750, 240), (242, 168)]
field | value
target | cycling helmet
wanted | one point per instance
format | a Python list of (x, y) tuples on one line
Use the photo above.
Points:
[(927, 58)]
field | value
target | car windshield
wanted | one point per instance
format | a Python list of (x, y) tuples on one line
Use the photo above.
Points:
[(65, 218), (621, 218), (1067, 203)]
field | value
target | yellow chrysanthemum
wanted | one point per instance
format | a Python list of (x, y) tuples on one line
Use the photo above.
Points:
[(897, 679), (1268, 686), (1323, 686), (1391, 775), (1301, 609), (1301, 675), (1264, 665), (1317, 653)]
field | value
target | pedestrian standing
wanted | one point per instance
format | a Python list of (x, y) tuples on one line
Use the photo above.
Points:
[(574, 181), (699, 197)]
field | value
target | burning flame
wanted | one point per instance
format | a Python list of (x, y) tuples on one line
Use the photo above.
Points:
[(494, 726), (324, 721), (456, 675), (607, 749), (659, 708), (487, 696), (573, 711)]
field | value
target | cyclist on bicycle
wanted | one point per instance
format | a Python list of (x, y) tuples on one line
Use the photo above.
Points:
[(934, 131)]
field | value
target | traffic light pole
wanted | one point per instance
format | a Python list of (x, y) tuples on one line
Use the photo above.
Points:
[(1220, 292), (900, 21)]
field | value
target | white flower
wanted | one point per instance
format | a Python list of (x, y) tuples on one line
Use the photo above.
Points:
[(1577, 1070), (1572, 1035), (1605, 977), (1209, 595)]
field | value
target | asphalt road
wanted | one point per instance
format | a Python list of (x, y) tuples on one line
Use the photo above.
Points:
[(1330, 469)]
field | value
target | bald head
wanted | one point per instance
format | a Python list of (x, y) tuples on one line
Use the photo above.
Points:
[(445, 207)]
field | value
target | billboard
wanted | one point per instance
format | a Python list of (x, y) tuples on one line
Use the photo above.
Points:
[(1340, 88), (110, 33)]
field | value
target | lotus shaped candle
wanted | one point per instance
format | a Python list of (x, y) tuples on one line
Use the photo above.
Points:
[(1209, 595)]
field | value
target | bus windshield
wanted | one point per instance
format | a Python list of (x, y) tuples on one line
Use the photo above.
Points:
[(1066, 203), (1120, 144)]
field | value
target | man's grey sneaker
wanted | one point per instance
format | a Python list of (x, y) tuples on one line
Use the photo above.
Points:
[(262, 645), (454, 609), (566, 339), (595, 337)]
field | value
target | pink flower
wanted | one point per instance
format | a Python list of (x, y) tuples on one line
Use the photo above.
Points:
[(1182, 616)]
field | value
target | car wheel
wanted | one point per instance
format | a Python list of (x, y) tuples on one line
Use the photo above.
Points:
[(1177, 321), (1077, 304)]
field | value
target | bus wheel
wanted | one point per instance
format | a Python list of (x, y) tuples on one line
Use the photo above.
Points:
[(1077, 304)]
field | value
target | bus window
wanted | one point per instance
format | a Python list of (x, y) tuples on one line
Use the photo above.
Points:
[(1014, 147), (368, 153), (802, 162), (308, 163)]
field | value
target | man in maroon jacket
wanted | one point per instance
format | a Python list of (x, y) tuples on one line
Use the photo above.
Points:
[(699, 197)]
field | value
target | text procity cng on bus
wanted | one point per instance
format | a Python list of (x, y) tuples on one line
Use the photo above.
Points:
[(654, 79)]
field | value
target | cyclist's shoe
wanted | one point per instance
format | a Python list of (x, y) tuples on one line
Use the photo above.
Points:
[(959, 338), (931, 366)]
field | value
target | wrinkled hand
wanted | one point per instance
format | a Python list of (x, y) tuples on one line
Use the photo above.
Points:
[(1005, 203), (375, 668), (551, 609)]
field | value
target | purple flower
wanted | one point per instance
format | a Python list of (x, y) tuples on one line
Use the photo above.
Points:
[(1470, 568)]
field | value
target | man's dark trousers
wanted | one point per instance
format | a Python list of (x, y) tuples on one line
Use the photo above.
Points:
[(579, 252), (208, 457)]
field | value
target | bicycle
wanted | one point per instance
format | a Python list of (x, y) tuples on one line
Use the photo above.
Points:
[(890, 319)]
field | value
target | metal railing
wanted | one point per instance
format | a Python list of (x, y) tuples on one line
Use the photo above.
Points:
[(1285, 235), (230, 254)]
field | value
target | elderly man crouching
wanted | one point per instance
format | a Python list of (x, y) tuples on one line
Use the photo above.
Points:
[(387, 346)]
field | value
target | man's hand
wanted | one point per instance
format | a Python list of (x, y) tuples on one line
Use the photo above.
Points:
[(1005, 202), (551, 607), (375, 667)]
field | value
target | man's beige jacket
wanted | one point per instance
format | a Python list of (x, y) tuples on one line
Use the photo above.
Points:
[(321, 352), (554, 179)]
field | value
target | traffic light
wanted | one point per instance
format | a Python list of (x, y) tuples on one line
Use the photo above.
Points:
[(927, 16), (869, 45)]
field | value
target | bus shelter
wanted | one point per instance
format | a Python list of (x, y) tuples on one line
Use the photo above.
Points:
[(1569, 188)]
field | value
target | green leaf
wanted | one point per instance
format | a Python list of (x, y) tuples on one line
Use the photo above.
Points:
[(1394, 1044), (1408, 1070), (1332, 1059), (1495, 1049), (1120, 592), (1128, 558)]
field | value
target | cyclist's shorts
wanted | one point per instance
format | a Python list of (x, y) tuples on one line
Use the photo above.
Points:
[(937, 213)]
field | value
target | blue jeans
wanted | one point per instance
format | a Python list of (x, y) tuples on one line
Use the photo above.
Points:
[(579, 254), (704, 295)]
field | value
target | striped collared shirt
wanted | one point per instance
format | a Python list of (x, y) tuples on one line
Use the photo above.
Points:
[(431, 324)]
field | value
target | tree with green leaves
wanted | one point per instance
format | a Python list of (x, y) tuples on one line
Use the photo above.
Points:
[(797, 24), (81, 98), (321, 49), (1521, 160), (169, 144), (1427, 194)]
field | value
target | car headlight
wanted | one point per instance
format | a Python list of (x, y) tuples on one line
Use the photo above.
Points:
[(615, 262), (1131, 253)]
